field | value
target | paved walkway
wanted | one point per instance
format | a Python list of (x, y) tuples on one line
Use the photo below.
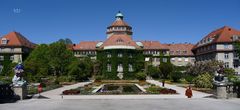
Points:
[(126, 104), (56, 93)]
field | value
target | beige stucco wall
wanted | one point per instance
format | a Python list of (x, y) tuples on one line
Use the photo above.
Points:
[(182, 61), (10, 50)]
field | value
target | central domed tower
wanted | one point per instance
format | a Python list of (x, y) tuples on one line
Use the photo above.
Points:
[(119, 27)]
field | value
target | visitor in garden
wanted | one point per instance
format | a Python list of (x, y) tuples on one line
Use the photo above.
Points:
[(188, 92)]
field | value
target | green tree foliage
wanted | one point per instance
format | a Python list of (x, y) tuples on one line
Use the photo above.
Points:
[(176, 76), (36, 65), (203, 67), (60, 58), (229, 71), (7, 67), (55, 60), (203, 81), (65, 41), (141, 76), (165, 70), (80, 69), (153, 71)]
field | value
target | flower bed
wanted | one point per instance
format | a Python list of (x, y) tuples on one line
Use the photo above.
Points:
[(159, 90), (71, 92)]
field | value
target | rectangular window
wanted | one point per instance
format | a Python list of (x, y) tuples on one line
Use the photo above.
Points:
[(226, 46), (184, 52), (130, 68), (186, 60), (11, 57), (109, 55), (179, 59), (164, 59), (157, 59), (226, 56), (4, 41), (120, 55), (109, 67), (235, 55), (226, 64), (1, 58), (130, 56), (178, 52), (12, 49)]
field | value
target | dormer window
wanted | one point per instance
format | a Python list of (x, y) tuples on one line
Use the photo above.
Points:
[(120, 41), (4, 41), (235, 37)]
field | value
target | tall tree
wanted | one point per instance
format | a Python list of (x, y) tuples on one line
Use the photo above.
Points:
[(65, 41), (80, 69), (203, 67), (60, 57), (165, 69), (37, 62)]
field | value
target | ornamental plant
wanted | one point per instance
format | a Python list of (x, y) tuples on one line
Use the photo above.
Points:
[(141, 76), (203, 81)]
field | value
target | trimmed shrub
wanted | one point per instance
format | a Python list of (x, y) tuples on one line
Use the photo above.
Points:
[(141, 76), (98, 78)]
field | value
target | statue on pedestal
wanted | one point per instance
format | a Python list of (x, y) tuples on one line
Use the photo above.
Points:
[(219, 76), (18, 77)]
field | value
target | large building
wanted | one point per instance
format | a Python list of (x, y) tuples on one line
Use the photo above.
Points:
[(119, 54), (218, 45)]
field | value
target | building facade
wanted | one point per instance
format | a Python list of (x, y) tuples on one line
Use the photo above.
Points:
[(15, 47), (181, 54), (218, 45), (119, 55)]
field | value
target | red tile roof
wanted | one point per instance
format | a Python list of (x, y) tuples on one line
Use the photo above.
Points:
[(120, 39), (222, 35), (148, 45), (119, 23), (180, 49), (16, 39), (86, 45)]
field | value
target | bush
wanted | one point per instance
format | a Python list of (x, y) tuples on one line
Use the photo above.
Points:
[(229, 71), (203, 81), (189, 78), (98, 78), (141, 76), (153, 71), (64, 79), (176, 76)]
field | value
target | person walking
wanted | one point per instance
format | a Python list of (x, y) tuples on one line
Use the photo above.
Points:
[(188, 92)]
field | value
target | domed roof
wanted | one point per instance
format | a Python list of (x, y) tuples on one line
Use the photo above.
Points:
[(119, 20), (119, 15)]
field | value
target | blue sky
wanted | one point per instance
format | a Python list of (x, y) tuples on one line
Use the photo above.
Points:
[(167, 21)]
